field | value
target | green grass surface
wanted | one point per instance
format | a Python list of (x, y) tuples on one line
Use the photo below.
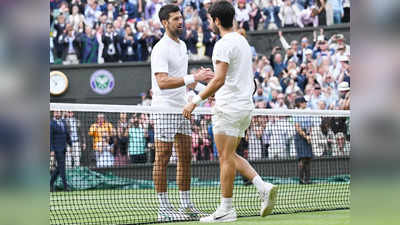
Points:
[(335, 217), (140, 205)]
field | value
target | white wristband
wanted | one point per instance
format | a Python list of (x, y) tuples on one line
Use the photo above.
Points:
[(189, 79), (196, 99), (200, 87)]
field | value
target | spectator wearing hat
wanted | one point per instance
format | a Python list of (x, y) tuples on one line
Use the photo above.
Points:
[(302, 140), (344, 95), (344, 69)]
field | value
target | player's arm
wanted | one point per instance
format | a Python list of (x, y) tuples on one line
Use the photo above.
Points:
[(212, 87), (220, 74), (166, 82)]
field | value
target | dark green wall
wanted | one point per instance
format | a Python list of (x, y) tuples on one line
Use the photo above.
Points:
[(133, 78)]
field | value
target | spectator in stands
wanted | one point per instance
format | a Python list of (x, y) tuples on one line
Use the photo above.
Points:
[(59, 138), (191, 38), (59, 31), (255, 16), (78, 140), (141, 37), (308, 17), (338, 11), (255, 136), (242, 11), (321, 6), (120, 154), (290, 100), (110, 11), (92, 12), (316, 97), (71, 43), (346, 10), (344, 74), (150, 141), (100, 131), (302, 140), (280, 103), (152, 9), (90, 46), (287, 14), (272, 20), (344, 95), (260, 99), (106, 158), (341, 146), (112, 48), (129, 46), (121, 140), (209, 39), (128, 10), (276, 61), (76, 18), (80, 5), (137, 141), (203, 11), (196, 146), (278, 129)]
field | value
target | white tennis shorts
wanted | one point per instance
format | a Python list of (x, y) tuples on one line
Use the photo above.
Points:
[(231, 124), (166, 126)]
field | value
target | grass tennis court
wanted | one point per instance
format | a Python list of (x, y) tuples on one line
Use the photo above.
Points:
[(334, 217), (140, 205)]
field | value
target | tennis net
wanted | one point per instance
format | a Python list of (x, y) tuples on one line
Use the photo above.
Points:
[(109, 162)]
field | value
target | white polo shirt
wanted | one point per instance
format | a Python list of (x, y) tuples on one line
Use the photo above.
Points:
[(236, 94), (169, 57)]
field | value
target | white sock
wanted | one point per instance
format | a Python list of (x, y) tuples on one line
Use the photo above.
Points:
[(185, 198), (260, 184), (226, 203), (163, 199)]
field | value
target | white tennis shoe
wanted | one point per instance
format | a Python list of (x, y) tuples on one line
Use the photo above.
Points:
[(170, 214), (192, 212), (220, 215), (268, 199)]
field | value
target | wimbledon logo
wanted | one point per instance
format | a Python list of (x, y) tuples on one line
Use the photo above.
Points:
[(102, 82)]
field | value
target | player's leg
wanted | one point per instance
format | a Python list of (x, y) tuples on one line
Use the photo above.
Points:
[(163, 154), (183, 147), (226, 146)]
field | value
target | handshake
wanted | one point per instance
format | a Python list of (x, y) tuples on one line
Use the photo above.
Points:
[(203, 75)]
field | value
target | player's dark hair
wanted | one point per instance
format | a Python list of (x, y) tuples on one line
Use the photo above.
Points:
[(166, 10), (224, 11)]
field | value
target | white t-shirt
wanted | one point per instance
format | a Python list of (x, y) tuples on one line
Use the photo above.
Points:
[(236, 94), (169, 57)]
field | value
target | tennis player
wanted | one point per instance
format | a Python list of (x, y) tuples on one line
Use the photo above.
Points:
[(233, 87), (169, 66)]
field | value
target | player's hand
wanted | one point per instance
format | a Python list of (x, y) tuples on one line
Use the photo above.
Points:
[(280, 33), (204, 75), (188, 109)]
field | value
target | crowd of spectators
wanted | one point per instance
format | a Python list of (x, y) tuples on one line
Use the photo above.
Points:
[(129, 138), (98, 31)]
